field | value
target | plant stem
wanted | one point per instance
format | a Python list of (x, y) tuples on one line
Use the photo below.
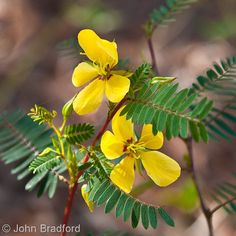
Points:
[(72, 190), (67, 210), (153, 57), (109, 118), (206, 211), (222, 205), (71, 194)]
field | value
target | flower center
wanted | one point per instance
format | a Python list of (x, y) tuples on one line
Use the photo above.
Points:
[(133, 148), (103, 70)]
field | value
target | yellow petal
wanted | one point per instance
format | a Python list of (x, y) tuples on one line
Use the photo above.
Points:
[(83, 73), (85, 196), (90, 98), (162, 169), (123, 174), (151, 141), (122, 128), (98, 50), (116, 88), (111, 145)]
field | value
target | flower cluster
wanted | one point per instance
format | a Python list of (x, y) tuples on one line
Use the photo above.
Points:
[(136, 153)]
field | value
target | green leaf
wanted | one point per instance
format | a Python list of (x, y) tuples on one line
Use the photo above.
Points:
[(187, 103), (84, 166), (211, 74), (218, 131), (203, 132), (144, 216), (199, 108), (139, 77), (125, 204), (106, 194), (35, 180), (44, 163), (112, 201), (121, 204), (152, 217), (41, 115), (161, 123), (99, 190), (206, 110), (224, 126), (164, 215), (183, 128), (195, 131), (128, 208), (166, 14), (224, 193), (79, 133), (227, 115), (219, 81), (21, 141), (96, 185), (202, 80), (52, 186), (136, 214), (168, 110), (233, 206)]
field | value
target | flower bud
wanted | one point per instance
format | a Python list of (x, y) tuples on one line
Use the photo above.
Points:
[(68, 108), (85, 195)]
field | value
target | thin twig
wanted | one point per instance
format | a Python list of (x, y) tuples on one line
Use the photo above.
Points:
[(153, 57), (222, 205), (206, 211)]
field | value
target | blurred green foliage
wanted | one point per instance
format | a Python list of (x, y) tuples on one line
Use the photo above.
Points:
[(93, 14), (220, 29)]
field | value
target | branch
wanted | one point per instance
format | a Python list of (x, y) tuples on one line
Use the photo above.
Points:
[(153, 57), (206, 211), (222, 205), (72, 190)]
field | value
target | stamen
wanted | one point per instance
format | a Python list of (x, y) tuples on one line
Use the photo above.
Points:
[(133, 148)]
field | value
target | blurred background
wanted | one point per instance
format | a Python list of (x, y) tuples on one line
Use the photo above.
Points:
[(36, 64)]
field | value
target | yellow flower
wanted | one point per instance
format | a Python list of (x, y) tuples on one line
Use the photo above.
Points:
[(104, 57), (162, 169), (85, 196)]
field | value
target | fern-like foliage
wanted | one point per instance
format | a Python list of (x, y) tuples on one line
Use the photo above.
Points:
[(21, 140), (42, 115), (226, 193), (105, 192), (69, 48), (166, 14), (43, 163), (220, 79), (139, 77), (78, 133), (220, 83), (168, 110)]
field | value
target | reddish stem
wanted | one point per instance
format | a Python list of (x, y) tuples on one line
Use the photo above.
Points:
[(153, 56), (109, 118), (72, 190)]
